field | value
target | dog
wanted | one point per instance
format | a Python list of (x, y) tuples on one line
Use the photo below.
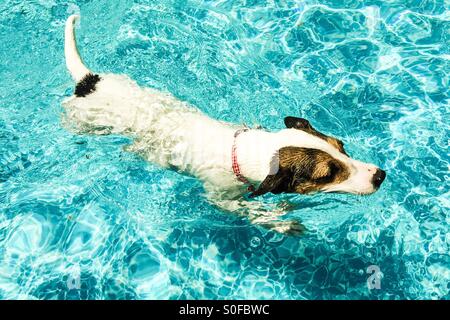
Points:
[(234, 162)]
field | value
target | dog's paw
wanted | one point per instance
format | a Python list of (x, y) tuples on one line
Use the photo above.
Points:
[(289, 227)]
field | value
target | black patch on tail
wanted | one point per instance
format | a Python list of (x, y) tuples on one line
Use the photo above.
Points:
[(87, 85)]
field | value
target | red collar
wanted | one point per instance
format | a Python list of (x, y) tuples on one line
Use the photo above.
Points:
[(235, 164)]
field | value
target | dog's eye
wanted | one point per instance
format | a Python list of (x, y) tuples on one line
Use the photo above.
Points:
[(334, 169)]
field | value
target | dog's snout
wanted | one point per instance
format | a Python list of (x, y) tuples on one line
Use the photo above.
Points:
[(378, 177)]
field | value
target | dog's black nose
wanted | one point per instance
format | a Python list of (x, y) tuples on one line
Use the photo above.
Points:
[(378, 178)]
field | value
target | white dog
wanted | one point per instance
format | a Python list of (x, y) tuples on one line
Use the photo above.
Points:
[(229, 159)]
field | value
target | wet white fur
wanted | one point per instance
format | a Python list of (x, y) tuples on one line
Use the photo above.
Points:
[(171, 133)]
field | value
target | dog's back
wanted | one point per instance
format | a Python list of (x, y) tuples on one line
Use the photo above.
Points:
[(165, 130)]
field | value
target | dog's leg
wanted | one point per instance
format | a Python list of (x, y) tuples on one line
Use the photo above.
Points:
[(271, 220), (264, 215)]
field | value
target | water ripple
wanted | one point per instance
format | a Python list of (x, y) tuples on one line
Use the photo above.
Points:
[(82, 219)]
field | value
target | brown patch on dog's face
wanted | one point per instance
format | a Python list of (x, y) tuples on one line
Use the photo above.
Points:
[(303, 170), (304, 125)]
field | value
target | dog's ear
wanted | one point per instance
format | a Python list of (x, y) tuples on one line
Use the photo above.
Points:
[(297, 123), (274, 183), (304, 125)]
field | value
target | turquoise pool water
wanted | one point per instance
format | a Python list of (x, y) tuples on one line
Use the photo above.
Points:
[(82, 219)]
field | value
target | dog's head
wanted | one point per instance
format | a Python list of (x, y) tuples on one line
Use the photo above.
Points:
[(316, 162)]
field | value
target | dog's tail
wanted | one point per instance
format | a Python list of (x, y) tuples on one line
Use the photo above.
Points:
[(73, 60)]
